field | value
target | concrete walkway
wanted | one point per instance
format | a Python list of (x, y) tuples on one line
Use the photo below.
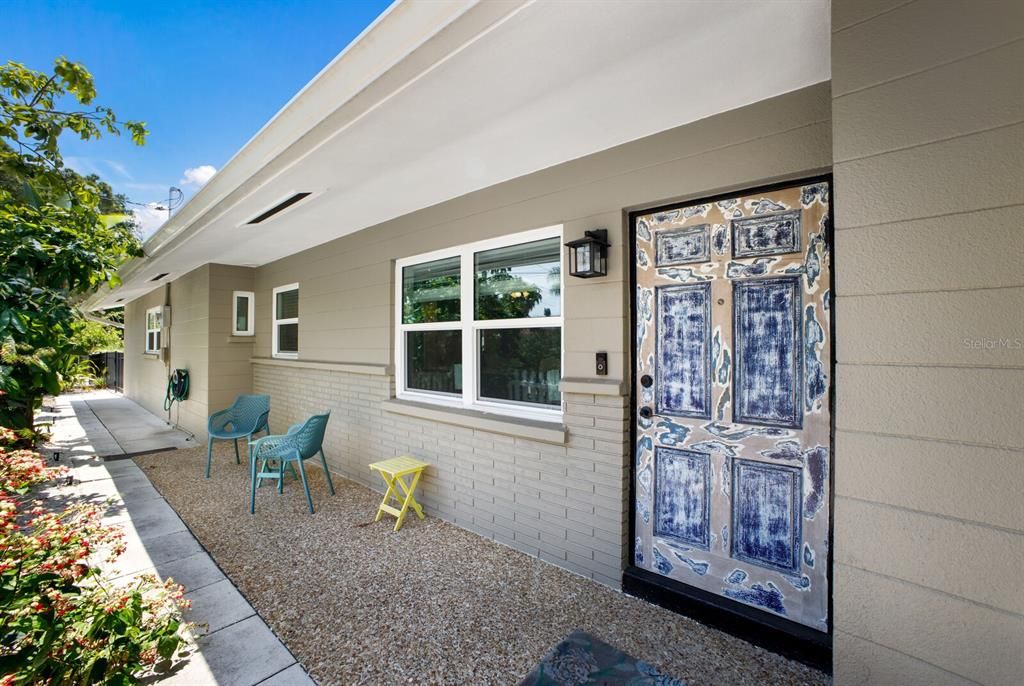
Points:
[(238, 648), (109, 425)]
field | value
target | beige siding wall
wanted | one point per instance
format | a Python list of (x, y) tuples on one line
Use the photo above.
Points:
[(230, 372), (928, 128), (565, 503), (146, 375)]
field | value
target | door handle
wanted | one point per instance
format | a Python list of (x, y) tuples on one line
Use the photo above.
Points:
[(646, 412)]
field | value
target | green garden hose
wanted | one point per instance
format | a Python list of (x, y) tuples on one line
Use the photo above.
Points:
[(177, 388)]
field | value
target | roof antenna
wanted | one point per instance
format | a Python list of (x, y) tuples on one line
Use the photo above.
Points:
[(174, 200)]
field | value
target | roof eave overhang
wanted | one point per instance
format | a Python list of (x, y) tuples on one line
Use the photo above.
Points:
[(437, 100), (403, 41)]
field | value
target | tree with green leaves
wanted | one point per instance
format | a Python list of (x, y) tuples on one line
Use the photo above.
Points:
[(58, 240)]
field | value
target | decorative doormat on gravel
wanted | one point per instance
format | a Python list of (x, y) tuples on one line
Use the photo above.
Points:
[(582, 660), (358, 603)]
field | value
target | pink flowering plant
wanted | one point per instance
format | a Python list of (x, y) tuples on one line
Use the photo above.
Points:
[(61, 622)]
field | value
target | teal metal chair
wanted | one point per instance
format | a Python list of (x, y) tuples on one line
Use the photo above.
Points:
[(273, 454), (247, 416)]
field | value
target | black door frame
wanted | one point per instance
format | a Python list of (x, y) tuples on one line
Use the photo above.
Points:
[(771, 632)]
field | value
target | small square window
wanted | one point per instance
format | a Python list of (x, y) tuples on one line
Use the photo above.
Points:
[(154, 329)]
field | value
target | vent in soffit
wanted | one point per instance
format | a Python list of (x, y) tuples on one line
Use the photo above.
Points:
[(159, 276), (279, 207)]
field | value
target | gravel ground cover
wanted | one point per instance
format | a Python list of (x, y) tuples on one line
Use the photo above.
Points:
[(357, 603)]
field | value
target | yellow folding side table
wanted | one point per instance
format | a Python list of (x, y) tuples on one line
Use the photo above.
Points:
[(392, 472)]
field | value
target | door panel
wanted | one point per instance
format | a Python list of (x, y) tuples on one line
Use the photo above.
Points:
[(733, 429), (766, 338), (683, 378)]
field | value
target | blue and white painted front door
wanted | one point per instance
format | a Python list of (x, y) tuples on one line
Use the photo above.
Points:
[(733, 392)]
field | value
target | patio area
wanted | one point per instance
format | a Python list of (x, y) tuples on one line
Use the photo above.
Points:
[(357, 603)]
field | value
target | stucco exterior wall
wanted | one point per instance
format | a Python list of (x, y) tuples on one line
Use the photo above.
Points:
[(928, 118), (566, 502)]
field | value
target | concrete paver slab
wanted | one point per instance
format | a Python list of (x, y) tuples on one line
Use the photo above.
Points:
[(143, 554), (217, 606), (94, 469), (242, 654), (135, 428), (149, 519), (293, 676), (133, 487), (193, 572)]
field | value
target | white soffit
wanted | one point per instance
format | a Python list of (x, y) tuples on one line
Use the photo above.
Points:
[(436, 100)]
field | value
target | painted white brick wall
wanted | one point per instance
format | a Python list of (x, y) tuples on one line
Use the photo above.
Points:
[(567, 504)]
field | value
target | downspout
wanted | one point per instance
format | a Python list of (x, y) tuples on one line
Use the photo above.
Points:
[(167, 344), (167, 363)]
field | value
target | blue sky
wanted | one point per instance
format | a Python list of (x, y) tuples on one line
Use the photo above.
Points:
[(204, 76)]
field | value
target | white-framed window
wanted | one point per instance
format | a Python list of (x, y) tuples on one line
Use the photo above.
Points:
[(243, 310), (479, 326), (286, 321), (154, 327)]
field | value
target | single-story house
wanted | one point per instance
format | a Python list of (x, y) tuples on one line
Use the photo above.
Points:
[(774, 382)]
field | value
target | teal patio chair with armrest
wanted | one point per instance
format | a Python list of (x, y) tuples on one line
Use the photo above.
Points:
[(248, 415), (303, 441)]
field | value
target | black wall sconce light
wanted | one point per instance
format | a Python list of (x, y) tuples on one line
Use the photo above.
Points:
[(588, 256)]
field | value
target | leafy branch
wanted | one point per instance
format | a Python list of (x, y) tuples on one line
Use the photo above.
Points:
[(62, 235)]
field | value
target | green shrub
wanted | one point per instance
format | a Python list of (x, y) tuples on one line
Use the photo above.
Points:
[(61, 621)]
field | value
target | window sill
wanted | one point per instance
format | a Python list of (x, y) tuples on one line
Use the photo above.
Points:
[(241, 338), (531, 429), (152, 355)]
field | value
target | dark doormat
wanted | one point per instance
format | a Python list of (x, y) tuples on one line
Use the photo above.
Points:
[(582, 660), (128, 456)]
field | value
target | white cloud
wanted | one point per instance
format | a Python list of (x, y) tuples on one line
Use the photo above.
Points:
[(198, 176), (149, 218)]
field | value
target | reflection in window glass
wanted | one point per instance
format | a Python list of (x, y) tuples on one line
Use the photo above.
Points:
[(433, 361), (287, 338), (519, 281), (154, 323), (521, 365), (288, 304), (241, 313), (430, 292)]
